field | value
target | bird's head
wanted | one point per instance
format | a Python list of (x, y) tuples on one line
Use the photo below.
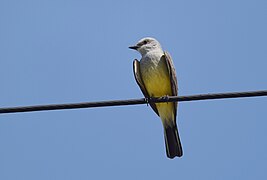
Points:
[(146, 45)]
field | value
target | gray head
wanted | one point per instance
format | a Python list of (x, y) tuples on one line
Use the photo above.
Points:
[(146, 44)]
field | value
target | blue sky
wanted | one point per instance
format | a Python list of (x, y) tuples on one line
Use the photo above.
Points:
[(77, 51)]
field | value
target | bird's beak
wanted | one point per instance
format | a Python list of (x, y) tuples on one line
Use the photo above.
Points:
[(134, 47)]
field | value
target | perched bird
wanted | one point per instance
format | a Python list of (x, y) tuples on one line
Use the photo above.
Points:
[(155, 74)]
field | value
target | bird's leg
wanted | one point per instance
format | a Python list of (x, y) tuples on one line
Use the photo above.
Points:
[(166, 97), (147, 100)]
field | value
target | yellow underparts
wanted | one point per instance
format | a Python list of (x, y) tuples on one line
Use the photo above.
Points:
[(157, 83)]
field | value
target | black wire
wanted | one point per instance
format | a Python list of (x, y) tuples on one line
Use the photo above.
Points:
[(132, 101)]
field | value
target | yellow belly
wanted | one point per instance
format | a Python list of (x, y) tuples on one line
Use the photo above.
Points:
[(158, 84), (157, 81)]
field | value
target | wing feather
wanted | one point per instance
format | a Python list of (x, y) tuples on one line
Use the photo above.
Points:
[(140, 82), (173, 78)]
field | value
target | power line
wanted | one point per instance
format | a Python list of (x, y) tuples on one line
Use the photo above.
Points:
[(132, 101)]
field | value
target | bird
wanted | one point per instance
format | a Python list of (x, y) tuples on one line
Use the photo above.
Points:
[(156, 76)]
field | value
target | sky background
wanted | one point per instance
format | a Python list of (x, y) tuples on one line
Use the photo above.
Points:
[(77, 51)]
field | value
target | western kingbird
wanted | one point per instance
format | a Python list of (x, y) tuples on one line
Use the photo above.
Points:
[(155, 74)]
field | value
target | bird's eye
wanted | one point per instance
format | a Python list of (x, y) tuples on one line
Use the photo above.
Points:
[(145, 41)]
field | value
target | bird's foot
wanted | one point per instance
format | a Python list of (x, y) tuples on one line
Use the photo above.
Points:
[(147, 101), (166, 98)]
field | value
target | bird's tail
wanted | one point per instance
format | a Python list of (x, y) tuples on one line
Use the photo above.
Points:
[(172, 141)]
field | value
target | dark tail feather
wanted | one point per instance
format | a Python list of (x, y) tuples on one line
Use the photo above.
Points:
[(172, 142)]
